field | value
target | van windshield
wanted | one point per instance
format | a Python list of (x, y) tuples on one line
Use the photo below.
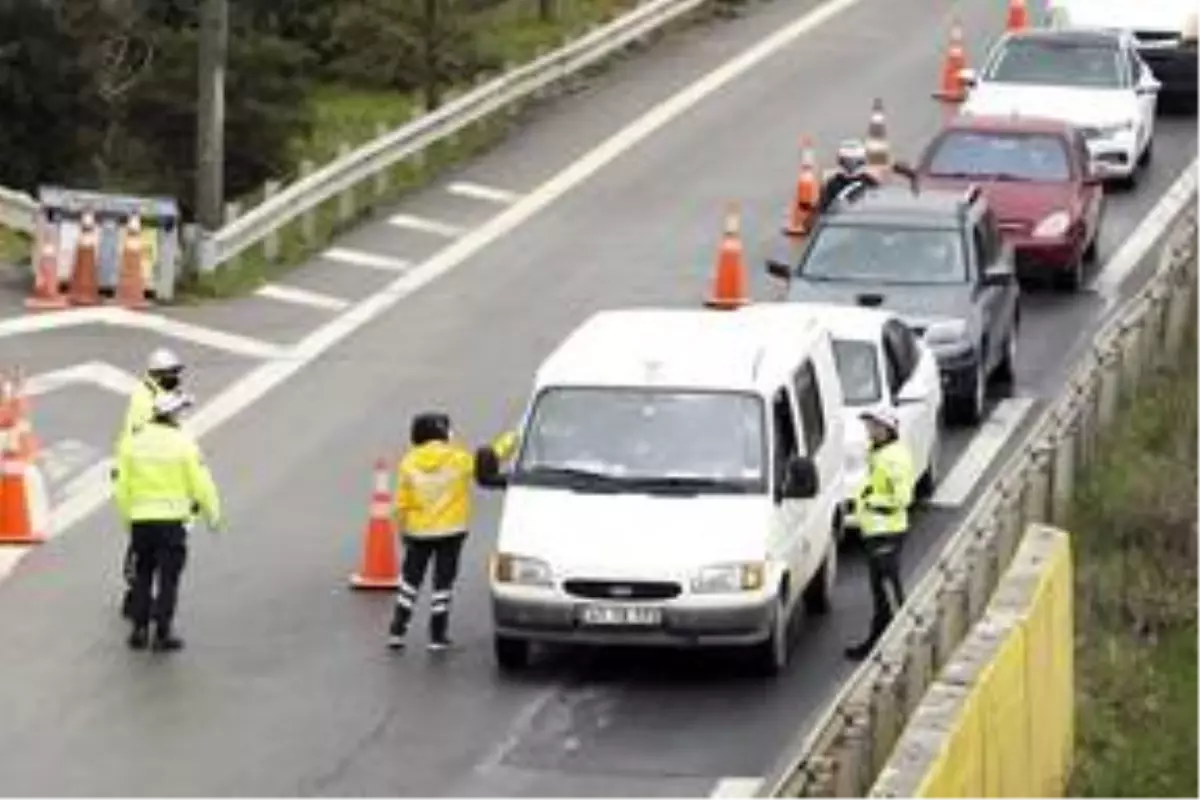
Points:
[(657, 440)]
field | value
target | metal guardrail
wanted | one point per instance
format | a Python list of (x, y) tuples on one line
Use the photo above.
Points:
[(18, 211), (337, 179), (841, 755)]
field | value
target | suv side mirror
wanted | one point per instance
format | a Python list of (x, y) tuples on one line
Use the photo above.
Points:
[(778, 269), (487, 469), (801, 481)]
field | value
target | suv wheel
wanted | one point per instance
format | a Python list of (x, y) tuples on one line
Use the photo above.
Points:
[(512, 654), (968, 407), (929, 478)]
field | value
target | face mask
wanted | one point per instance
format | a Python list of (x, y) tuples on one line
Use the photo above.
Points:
[(169, 382)]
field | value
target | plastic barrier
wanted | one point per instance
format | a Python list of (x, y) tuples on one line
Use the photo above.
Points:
[(59, 214), (999, 720)]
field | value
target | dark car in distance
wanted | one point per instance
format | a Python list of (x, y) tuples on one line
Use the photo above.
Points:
[(1036, 174)]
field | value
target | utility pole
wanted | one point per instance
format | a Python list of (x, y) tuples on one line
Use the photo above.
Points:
[(210, 122)]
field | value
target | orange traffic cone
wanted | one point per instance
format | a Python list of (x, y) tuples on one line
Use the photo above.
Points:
[(1018, 16), (24, 503), (85, 285), (46, 296), (729, 277), (955, 61), (131, 282), (878, 153), (379, 568), (808, 192), (15, 421)]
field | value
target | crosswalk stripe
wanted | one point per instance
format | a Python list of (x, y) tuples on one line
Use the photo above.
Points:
[(293, 294), (478, 191), (426, 225), (360, 258)]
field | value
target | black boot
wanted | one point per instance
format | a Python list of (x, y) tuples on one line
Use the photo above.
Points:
[(397, 630), (166, 642), (861, 650), (137, 639)]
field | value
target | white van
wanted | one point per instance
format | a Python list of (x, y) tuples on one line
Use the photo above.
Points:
[(678, 482)]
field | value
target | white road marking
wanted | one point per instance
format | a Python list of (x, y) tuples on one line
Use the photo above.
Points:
[(736, 787), (1108, 282), (97, 373), (9, 556), (303, 297), (425, 225), (360, 258), (478, 191), (124, 318), (993, 433), (60, 459)]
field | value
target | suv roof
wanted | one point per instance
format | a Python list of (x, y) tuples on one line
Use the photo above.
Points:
[(900, 205)]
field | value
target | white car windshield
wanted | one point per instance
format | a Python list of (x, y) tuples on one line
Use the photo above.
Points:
[(868, 254), (694, 440), (1053, 63), (1001, 157), (858, 369)]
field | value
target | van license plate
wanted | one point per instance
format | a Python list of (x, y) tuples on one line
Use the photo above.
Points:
[(639, 616)]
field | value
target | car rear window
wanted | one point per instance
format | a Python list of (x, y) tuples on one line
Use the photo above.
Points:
[(1058, 64), (1000, 157)]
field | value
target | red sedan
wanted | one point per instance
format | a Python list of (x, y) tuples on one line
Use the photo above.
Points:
[(1037, 175)]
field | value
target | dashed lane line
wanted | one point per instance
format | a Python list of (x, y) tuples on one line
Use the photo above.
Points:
[(424, 225), (302, 297), (477, 191), (361, 258)]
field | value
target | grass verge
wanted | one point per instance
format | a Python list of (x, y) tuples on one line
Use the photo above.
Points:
[(1135, 589), (511, 31)]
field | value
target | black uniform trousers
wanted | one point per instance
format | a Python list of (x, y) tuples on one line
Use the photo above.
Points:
[(883, 571), (444, 551), (159, 553)]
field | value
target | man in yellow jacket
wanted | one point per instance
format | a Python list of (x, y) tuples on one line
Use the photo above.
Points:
[(433, 505), (882, 510), (161, 481), (164, 373)]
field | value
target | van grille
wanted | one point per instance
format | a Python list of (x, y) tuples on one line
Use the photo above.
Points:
[(622, 590)]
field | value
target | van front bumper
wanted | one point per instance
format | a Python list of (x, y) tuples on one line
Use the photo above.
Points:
[(558, 620)]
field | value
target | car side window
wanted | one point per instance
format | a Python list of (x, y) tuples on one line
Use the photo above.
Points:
[(812, 414), (902, 347), (785, 435)]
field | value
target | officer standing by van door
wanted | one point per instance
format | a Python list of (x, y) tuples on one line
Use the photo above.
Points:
[(881, 507), (164, 373), (433, 505), (161, 481)]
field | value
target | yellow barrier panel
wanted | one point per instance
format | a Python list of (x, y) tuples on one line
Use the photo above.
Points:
[(998, 722)]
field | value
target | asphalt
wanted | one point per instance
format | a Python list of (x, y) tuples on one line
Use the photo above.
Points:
[(286, 688)]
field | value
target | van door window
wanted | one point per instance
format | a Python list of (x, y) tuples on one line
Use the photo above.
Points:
[(812, 413), (785, 437)]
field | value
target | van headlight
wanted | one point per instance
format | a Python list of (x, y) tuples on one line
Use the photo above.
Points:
[(1053, 225), (520, 570), (729, 578)]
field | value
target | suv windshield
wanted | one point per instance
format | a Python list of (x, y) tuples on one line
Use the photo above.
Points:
[(1057, 64), (614, 438), (1000, 156), (884, 255), (858, 369)]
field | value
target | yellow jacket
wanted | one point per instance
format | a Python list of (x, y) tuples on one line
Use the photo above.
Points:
[(883, 500), (141, 407), (160, 475), (433, 486)]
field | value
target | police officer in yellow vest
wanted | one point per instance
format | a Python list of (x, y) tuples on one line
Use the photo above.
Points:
[(433, 506), (161, 481), (164, 373), (881, 507)]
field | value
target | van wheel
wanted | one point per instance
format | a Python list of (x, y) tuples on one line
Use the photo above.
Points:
[(929, 479), (771, 656), (818, 595), (512, 654)]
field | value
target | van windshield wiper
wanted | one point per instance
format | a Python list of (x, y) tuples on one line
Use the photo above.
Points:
[(572, 477), (691, 484)]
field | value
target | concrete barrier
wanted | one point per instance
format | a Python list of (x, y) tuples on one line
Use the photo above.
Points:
[(999, 720)]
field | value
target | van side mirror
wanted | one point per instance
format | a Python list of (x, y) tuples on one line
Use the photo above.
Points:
[(488, 473), (778, 269), (967, 77), (801, 481)]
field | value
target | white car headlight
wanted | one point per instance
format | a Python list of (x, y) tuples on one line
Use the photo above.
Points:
[(729, 578), (1053, 225), (946, 331), (521, 570), (1114, 128), (1188, 31)]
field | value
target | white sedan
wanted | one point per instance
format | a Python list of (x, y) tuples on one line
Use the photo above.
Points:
[(883, 364), (1090, 78)]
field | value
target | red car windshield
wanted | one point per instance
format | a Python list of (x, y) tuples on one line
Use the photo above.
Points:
[(981, 155)]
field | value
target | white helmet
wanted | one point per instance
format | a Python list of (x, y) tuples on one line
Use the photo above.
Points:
[(163, 360), (168, 404), (852, 155), (884, 417)]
